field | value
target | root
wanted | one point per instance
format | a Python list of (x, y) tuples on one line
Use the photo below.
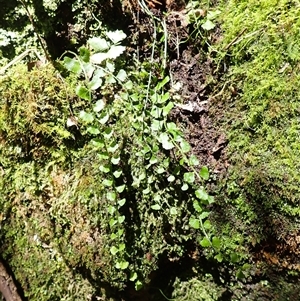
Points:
[(7, 286)]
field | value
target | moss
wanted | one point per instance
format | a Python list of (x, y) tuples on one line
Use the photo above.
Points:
[(35, 107), (198, 288), (52, 235), (262, 120)]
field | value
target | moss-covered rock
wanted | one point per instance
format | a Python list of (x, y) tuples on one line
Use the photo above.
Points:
[(262, 119), (50, 231)]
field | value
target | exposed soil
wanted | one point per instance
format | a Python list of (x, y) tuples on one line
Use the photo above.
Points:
[(207, 140)]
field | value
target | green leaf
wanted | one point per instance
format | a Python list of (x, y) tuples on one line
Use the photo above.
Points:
[(133, 276), (185, 146), (98, 44), (246, 266), (121, 219), (240, 274), (156, 125), (138, 285), (108, 132), (166, 143), (103, 118), (219, 257), (153, 160), (113, 147), (93, 130), (155, 98), (115, 160), (99, 73), (207, 225), (197, 207), (107, 182), (86, 117), (120, 232), (83, 93), (184, 187), (114, 250), (156, 112), (178, 138), (168, 108), (234, 257), (113, 236), (84, 54), (210, 199), (72, 65), (146, 149), (121, 247), (111, 196), (166, 163), (128, 85), (117, 173), (208, 25), (205, 242), (157, 197), (110, 67), (212, 14), (189, 177), (99, 143), (88, 69), (121, 202), (120, 188), (171, 178), (110, 79), (98, 58), (122, 75), (160, 170), (204, 174), (156, 207), (201, 194), (104, 156), (216, 242), (171, 126), (112, 222), (177, 170), (115, 51), (204, 215), (194, 223), (111, 210), (162, 83), (95, 83), (165, 97), (193, 161), (104, 168), (151, 179), (116, 36), (122, 265)]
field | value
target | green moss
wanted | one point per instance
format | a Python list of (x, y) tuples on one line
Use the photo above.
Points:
[(34, 109), (198, 288), (263, 119), (50, 223)]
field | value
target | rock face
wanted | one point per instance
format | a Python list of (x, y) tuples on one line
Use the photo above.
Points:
[(7, 286)]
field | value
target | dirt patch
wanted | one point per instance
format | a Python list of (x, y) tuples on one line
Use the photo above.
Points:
[(198, 113), (280, 254)]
